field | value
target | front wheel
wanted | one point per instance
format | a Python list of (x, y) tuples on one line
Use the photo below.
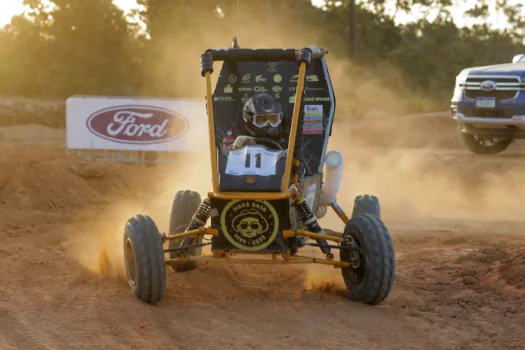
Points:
[(183, 208), (371, 281), (144, 259), (484, 145)]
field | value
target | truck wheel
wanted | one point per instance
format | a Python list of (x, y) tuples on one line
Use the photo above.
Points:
[(371, 281), (184, 206), (479, 145), (366, 204), (144, 259)]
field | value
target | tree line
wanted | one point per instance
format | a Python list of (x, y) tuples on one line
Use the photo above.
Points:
[(92, 47)]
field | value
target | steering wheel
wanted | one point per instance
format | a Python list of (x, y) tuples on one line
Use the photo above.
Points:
[(271, 142)]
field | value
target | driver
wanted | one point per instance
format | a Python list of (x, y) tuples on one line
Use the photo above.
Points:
[(262, 116)]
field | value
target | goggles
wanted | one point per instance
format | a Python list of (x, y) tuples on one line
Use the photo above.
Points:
[(253, 226), (262, 120)]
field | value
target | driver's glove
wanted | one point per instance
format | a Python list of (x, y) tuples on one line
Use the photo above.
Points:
[(242, 141)]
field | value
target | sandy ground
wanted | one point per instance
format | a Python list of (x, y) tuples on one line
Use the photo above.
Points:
[(457, 222)]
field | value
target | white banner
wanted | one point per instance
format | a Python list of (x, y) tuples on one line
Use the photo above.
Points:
[(136, 124)]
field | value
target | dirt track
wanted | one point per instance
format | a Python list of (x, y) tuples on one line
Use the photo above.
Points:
[(453, 217)]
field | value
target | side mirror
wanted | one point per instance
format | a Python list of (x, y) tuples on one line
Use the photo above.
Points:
[(518, 58)]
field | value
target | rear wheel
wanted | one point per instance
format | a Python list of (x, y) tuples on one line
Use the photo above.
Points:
[(484, 145), (366, 204), (144, 259), (371, 281), (184, 206)]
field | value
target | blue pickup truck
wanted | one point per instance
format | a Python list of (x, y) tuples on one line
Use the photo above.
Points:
[(489, 107)]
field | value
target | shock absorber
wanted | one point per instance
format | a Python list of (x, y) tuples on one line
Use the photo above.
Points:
[(201, 215), (310, 221), (199, 219)]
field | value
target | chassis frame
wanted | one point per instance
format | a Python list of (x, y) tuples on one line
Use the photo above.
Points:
[(369, 279)]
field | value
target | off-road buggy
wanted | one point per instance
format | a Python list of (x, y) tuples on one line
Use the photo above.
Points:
[(266, 198)]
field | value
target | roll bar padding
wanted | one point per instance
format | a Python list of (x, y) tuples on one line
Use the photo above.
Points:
[(269, 55)]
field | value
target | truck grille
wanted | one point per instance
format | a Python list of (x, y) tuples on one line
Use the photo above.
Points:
[(498, 94), (488, 113), (482, 78), (507, 87)]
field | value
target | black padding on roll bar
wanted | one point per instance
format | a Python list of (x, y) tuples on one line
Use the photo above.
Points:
[(265, 55)]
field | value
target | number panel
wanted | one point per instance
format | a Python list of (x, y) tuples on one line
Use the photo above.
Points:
[(252, 160)]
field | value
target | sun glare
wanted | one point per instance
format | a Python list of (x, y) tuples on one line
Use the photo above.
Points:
[(8, 9)]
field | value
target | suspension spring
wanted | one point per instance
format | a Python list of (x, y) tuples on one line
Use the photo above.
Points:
[(307, 217), (201, 215), (310, 221)]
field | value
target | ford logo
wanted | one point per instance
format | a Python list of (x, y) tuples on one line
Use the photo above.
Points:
[(137, 124), (488, 85)]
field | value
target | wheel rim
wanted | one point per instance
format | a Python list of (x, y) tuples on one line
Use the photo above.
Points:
[(131, 262), (358, 274)]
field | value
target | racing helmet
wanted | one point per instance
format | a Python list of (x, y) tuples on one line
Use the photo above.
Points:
[(262, 115)]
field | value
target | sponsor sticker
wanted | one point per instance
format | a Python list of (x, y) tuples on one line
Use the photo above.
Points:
[(313, 119), (260, 79), (224, 99), (260, 89), (246, 78)]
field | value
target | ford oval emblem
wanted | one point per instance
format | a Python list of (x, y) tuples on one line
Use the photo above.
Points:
[(137, 124), (488, 85)]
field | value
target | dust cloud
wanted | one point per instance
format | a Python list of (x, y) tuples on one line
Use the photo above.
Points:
[(98, 243), (413, 184)]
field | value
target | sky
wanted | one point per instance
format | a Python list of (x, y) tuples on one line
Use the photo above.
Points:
[(9, 8)]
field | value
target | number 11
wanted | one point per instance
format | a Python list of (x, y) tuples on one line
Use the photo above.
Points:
[(258, 157)]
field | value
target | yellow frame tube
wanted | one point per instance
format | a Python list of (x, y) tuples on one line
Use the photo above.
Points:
[(293, 127), (291, 261), (250, 195), (211, 128), (319, 236), (200, 231)]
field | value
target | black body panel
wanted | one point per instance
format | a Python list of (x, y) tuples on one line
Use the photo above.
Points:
[(269, 218), (239, 80)]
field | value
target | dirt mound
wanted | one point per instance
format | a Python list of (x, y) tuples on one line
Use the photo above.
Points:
[(23, 111), (31, 133), (512, 270), (44, 178), (61, 185)]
